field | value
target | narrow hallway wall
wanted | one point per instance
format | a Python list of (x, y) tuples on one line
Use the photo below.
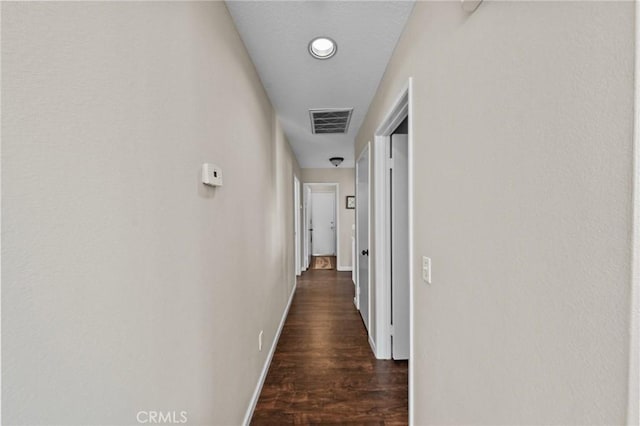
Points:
[(128, 285), (523, 118)]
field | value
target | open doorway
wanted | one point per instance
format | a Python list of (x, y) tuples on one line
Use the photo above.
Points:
[(398, 209), (393, 231), (393, 225), (320, 212)]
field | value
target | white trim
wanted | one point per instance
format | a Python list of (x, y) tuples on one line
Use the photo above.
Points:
[(297, 256), (344, 268), (369, 240), (372, 344), (338, 229), (411, 255), (0, 242), (306, 249), (399, 110), (267, 362), (397, 113), (356, 261), (633, 404)]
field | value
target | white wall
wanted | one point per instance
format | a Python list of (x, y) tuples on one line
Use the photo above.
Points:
[(633, 411), (128, 285), (346, 178), (522, 168)]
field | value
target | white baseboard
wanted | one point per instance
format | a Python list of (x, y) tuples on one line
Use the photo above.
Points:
[(373, 347), (267, 362), (344, 268)]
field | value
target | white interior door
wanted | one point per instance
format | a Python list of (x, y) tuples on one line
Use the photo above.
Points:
[(323, 212), (362, 231), (307, 227), (399, 182), (296, 220)]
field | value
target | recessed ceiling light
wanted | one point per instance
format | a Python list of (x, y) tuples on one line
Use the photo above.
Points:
[(322, 48)]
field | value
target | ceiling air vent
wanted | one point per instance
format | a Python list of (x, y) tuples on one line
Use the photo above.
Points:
[(330, 120)]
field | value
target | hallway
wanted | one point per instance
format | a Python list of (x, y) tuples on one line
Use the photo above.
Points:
[(323, 370), (169, 168)]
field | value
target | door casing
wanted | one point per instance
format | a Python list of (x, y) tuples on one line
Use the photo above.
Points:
[(296, 224), (306, 188), (306, 223)]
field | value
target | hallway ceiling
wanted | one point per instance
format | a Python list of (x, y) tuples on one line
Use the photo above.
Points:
[(277, 34)]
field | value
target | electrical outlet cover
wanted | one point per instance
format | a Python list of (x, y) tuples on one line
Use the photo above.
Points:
[(426, 269)]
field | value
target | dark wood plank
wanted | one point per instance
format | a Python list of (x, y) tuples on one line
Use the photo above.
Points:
[(323, 370)]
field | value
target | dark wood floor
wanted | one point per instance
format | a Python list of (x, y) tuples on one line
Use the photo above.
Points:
[(323, 370)]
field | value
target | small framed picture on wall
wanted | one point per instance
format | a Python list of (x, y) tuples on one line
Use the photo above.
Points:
[(351, 201)]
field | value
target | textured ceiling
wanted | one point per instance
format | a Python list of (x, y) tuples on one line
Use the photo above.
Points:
[(277, 34)]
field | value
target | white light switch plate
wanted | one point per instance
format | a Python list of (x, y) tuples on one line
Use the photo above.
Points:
[(426, 269)]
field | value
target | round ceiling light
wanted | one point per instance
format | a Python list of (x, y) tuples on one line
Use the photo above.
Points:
[(322, 48)]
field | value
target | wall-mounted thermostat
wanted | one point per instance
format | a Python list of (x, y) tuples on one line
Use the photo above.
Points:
[(211, 175)]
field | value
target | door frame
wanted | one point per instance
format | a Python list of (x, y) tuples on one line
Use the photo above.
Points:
[(297, 256), (337, 214), (306, 248), (356, 261), (399, 110)]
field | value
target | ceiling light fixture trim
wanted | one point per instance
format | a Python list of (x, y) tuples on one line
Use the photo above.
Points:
[(322, 47)]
